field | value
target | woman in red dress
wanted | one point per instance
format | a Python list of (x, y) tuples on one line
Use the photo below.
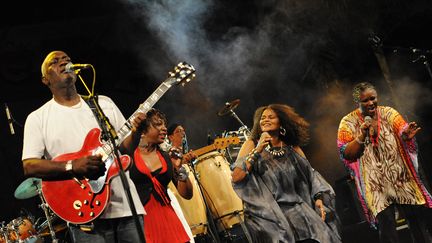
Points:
[(152, 171)]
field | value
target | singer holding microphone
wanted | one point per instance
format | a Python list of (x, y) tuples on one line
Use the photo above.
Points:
[(378, 147), (285, 199)]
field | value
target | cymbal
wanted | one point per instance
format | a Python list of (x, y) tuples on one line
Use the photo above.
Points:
[(229, 106), (28, 188)]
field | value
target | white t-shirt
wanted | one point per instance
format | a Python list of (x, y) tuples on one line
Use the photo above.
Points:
[(54, 129)]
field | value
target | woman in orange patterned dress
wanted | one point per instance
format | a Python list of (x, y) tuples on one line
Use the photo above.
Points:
[(378, 147)]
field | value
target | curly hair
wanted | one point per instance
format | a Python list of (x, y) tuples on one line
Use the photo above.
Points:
[(151, 114), (359, 88), (297, 128)]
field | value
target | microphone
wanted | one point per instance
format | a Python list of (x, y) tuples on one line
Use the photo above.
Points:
[(368, 119), (10, 120), (76, 67), (185, 146)]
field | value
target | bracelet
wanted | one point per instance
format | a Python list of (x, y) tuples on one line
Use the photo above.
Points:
[(317, 196), (182, 174), (252, 157), (244, 167), (358, 141)]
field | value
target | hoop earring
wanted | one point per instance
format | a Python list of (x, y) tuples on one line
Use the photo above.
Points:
[(142, 144), (282, 131)]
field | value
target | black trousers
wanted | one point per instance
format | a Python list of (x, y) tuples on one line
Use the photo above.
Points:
[(418, 219)]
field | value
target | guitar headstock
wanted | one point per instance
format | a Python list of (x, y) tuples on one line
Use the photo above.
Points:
[(221, 143), (183, 73)]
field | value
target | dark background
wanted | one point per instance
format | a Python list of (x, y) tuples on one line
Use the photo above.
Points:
[(304, 53)]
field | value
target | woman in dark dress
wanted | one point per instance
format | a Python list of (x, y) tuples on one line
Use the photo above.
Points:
[(285, 199)]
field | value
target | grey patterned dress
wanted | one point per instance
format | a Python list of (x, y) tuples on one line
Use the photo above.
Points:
[(278, 197)]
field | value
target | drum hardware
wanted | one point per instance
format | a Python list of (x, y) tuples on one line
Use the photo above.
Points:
[(4, 233), (30, 188), (243, 132), (45, 208), (243, 226), (20, 229), (229, 109)]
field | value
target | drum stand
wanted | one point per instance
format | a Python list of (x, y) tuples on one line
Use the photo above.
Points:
[(211, 221), (243, 130), (45, 208)]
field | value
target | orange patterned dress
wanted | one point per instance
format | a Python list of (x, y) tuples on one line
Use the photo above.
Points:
[(387, 172)]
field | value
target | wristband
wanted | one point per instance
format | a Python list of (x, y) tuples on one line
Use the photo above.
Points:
[(69, 166)]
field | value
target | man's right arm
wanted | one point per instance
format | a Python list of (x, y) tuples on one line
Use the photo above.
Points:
[(90, 167)]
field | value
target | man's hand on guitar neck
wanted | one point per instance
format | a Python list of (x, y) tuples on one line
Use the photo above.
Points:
[(91, 167)]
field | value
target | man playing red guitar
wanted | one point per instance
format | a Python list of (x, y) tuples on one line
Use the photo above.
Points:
[(60, 126)]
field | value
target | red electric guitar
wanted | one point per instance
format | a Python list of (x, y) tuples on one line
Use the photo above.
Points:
[(80, 201)]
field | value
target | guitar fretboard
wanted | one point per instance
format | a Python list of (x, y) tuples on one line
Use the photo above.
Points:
[(126, 129)]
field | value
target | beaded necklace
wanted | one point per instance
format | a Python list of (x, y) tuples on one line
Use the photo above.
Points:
[(275, 152)]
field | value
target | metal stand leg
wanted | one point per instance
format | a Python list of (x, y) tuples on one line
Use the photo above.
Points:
[(244, 228), (212, 229), (44, 206)]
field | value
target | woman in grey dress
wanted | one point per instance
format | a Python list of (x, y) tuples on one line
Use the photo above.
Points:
[(285, 199)]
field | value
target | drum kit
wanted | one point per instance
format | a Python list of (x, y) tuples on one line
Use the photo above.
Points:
[(24, 228), (215, 212)]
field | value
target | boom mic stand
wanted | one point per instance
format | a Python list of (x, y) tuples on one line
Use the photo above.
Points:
[(110, 135)]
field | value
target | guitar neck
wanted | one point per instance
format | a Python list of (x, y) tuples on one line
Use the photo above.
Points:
[(204, 150), (126, 129)]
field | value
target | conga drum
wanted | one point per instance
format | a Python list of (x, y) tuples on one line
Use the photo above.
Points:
[(215, 178)]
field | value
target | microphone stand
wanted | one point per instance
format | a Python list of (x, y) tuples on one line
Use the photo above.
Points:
[(422, 57), (109, 134)]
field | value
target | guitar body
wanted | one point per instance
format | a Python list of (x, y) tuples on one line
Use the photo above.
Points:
[(81, 201)]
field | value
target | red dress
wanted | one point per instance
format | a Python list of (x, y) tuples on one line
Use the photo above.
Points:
[(161, 224)]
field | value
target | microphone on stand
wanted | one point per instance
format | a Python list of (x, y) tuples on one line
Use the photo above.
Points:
[(76, 67), (368, 119), (10, 120)]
